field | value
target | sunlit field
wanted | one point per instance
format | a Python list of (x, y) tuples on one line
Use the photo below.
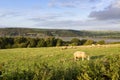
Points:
[(55, 63)]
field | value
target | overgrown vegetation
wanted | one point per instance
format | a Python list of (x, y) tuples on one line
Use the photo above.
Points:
[(24, 42), (55, 64)]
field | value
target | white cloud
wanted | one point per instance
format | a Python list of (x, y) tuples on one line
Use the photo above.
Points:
[(108, 18), (112, 12), (101, 4), (80, 25), (116, 4), (83, 4), (108, 14), (14, 18)]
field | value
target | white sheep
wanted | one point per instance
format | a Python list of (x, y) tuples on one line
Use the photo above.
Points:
[(80, 54), (64, 47)]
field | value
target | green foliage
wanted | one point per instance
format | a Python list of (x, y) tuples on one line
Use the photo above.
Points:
[(89, 42), (101, 42), (55, 64), (59, 42), (2, 44), (6, 42), (75, 42), (41, 43), (115, 43), (32, 42), (20, 42), (24, 42), (83, 41), (51, 41)]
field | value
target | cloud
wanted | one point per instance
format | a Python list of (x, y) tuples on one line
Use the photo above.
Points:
[(80, 25), (64, 18), (93, 0), (109, 14), (116, 4), (70, 3), (62, 3), (81, 4), (108, 18), (112, 12), (8, 13), (61, 24), (101, 4), (45, 17), (14, 18)]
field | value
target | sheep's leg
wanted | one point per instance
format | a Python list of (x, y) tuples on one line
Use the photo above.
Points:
[(82, 58), (88, 58), (75, 58)]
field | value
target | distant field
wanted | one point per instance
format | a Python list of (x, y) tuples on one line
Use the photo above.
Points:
[(53, 63)]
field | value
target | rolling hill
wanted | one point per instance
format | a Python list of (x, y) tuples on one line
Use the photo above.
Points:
[(32, 32)]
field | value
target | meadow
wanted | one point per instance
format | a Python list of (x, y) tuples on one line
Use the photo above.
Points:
[(53, 63)]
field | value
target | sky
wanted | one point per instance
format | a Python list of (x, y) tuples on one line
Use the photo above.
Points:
[(61, 14)]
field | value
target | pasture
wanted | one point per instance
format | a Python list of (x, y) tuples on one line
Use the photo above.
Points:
[(53, 63)]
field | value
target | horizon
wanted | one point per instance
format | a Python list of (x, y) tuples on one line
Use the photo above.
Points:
[(56, 29), (100, 15)]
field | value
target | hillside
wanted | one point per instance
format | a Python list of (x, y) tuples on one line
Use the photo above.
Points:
[(32, 32)]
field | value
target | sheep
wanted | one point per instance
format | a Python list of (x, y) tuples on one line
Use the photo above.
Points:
[(80, 54), (64, 47)]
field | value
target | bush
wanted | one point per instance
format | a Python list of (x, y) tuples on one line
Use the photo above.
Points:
[(89, 42), (106, 68), (75, 42), (101, 42)]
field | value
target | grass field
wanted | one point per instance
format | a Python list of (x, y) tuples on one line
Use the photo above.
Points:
[(53, 63)]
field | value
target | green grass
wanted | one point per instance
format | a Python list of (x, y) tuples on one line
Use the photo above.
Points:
[(53, 63)]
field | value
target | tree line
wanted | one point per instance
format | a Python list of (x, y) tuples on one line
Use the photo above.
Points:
[(25, 42)]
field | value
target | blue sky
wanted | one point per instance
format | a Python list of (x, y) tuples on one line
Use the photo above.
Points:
[(61, 14)]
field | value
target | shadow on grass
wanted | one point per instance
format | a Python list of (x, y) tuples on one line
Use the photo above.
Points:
[(97, 57)]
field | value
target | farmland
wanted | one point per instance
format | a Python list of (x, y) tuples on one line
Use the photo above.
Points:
[(53, 63)]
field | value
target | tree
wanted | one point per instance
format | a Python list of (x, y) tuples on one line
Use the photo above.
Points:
[(89, 42), (51, 41), (82, 42), (8, 42), (59, 42), (75, 42), (101, 42), (1, 43), (41, 43), (20, 42), (32, 42)]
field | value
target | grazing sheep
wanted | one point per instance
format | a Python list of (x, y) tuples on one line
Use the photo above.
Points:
[(64, 47), (80, 54)]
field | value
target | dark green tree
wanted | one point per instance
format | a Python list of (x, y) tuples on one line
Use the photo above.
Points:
[(2, 45), (75, 42), (41, 43), (20, 42), (32, 42), (8, 42), (101, 42), (51, 41), (59, 42), (82, 42)]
